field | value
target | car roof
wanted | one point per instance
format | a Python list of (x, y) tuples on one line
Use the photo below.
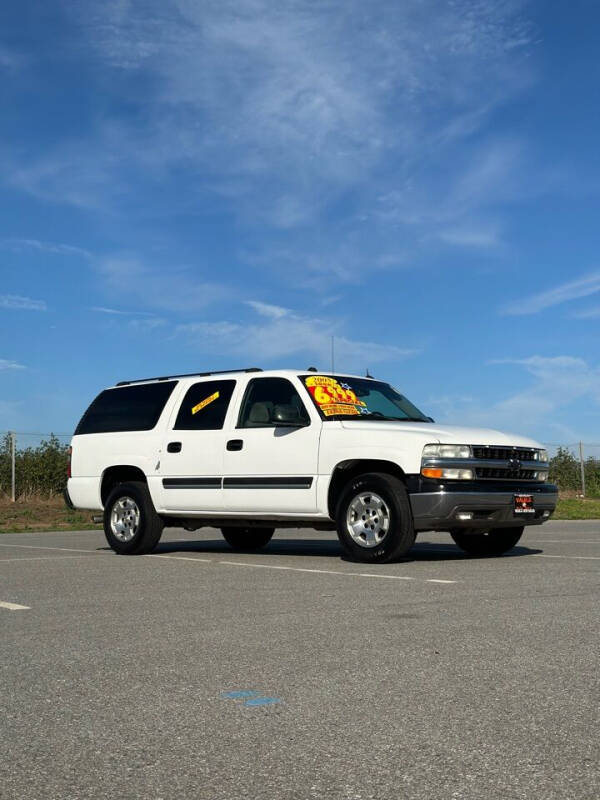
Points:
[(238, 373)]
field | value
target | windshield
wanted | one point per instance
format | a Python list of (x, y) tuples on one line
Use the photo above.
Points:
[(337, 397)]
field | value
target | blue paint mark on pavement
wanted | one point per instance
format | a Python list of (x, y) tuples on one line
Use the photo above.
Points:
[(240, 695), (262, 701)]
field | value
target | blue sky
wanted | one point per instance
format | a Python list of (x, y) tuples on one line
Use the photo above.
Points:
[(197, 184)]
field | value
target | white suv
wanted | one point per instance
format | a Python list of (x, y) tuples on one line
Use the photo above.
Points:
[(251, 451)]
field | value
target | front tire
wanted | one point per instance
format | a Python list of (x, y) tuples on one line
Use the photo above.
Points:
[(494, 542), (374, 518), (131, 525), (247, 538)]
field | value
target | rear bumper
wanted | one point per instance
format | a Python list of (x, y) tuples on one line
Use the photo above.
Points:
[(67, 499), (440, 509), (84, 493)]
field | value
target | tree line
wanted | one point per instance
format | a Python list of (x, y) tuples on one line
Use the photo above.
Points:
[(40, 470)]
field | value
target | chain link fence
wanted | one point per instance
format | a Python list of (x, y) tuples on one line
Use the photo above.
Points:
[(36, 464)]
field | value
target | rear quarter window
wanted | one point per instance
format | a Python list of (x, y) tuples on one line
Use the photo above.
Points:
[(126, 408)]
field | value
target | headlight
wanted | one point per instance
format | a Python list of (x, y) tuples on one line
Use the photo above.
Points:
[(447, 451), (541, 455), (541, 476)]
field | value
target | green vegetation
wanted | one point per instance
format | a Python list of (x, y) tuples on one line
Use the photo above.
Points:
[(40, 471), (577, 508), (565, 470), (34, 513)]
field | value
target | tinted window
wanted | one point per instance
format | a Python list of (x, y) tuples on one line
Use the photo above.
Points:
[(204, 406), (263, 398), (126, 408)]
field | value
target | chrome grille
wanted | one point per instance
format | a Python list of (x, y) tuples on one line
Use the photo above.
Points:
[(503, 453), (499, 473)]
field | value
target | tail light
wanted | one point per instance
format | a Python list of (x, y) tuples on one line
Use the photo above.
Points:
[(69, 462)]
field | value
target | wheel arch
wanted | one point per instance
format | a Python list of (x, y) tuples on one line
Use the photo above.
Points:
[(119, 473), (346, 470)]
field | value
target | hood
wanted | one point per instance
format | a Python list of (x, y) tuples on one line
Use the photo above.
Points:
[(446, 434)]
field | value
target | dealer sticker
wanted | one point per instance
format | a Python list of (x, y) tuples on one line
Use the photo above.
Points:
[(205, 402)]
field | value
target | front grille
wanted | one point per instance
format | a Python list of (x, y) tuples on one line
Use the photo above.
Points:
[(505, 474), (503, 453)]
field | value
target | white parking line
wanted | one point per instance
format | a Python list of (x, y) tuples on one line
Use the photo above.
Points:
[(304, 569), (578, 558), (41, 558), (44, 547), (14, 606), (179, 558), (559, 541)]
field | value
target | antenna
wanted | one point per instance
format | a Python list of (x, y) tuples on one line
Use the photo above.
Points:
[(333, 354), (367, 374)]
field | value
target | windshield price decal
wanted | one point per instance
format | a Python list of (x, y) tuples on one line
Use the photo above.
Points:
[(338, 408), (333, 397), (204, 403)]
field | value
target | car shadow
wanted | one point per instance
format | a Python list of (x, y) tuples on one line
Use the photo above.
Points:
[(328, 548)]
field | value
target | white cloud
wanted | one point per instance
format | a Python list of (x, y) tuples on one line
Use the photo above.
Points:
[(7, 364), (18, 245), (587, 313), (556, 383), (11, 60), (470, 237), (266, 310), (288, 335), (16, 302), (572, 290), (119, 312), (283, 110), (148, 324), (170, 288)]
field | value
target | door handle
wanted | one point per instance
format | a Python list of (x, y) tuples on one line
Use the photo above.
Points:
[(235, 444), (174, 447)]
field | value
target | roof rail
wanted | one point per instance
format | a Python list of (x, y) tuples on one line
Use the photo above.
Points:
[(189, 375)]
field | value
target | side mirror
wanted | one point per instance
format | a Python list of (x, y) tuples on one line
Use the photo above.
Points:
[(287, 416)]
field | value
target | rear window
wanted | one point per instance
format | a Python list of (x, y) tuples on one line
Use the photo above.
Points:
[(126, 408)]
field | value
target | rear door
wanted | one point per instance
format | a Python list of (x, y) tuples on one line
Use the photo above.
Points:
[(193, 450), (269, 468)]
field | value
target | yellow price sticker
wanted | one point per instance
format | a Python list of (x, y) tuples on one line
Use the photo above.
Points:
[(205, 402), (335, 408)]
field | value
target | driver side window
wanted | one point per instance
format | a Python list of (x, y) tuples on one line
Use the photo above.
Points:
[(266, 399)]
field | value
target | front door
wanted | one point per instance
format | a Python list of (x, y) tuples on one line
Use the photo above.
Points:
[(270, 468), (192, 453)]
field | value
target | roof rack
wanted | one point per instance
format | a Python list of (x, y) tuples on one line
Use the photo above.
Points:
[(189, 375)]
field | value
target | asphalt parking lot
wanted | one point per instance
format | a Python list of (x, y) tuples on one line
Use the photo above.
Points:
[(199, 672)]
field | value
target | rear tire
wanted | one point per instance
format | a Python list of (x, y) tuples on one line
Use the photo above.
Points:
[(494, 542), (247, 538), (131, 525), (374, 518)]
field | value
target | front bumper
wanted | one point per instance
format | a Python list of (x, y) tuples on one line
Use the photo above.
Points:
[(438, 507)]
